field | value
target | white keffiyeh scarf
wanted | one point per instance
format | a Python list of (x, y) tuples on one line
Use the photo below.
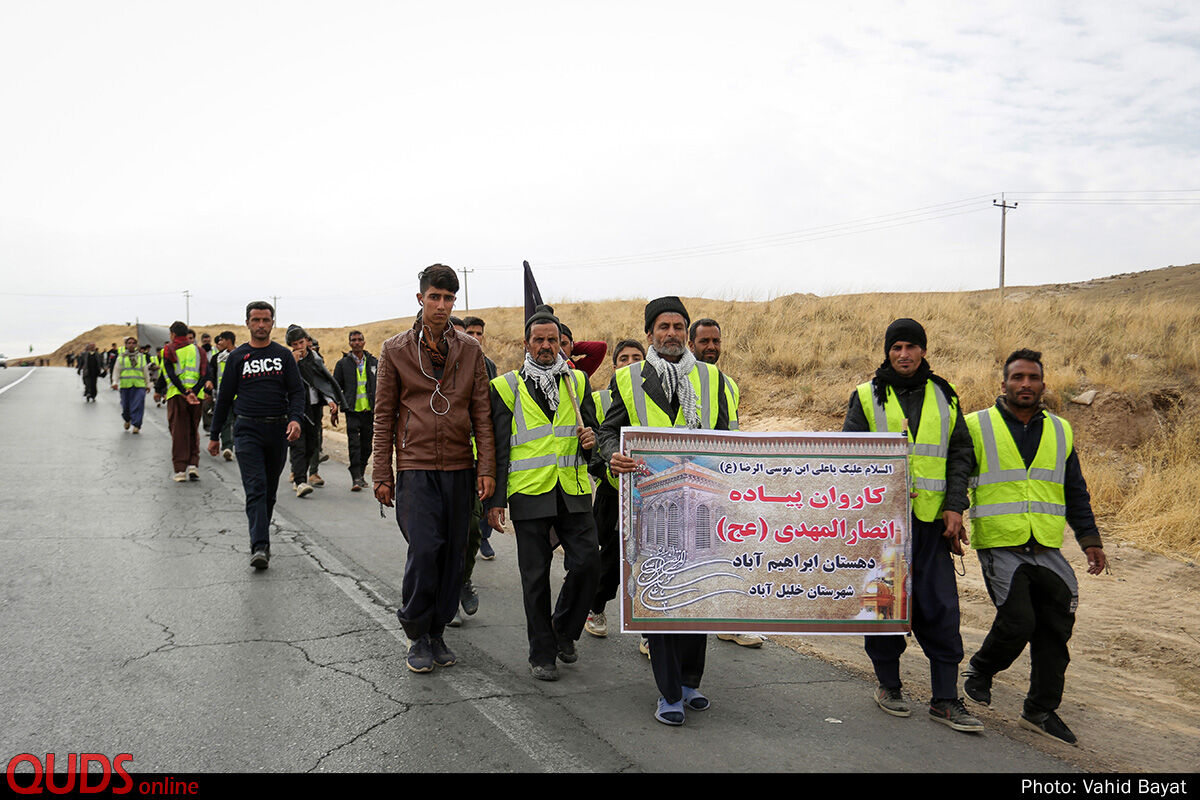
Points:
[(674, 380), (546, 378)]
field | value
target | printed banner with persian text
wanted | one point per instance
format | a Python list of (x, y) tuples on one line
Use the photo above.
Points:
[(732, 532)]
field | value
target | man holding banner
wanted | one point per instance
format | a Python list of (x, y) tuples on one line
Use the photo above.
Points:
[(905, 394), (669, 389), (544, 420)]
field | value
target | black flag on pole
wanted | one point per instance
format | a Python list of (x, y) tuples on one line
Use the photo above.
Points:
[(533, 297)]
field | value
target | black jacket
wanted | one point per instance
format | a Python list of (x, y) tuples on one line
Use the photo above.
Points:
[(961, 457), (345, 375), (315, 375)]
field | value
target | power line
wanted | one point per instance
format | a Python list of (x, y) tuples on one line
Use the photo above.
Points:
[(86, 296), (849, 228)]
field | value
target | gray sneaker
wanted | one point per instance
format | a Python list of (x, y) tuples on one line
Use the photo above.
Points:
[(544, 672), (954, 714), (469, 598), (892, 701), (597, 624)]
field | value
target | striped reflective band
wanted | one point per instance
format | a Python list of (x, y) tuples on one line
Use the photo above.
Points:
[(929, 484), (1018, 507), (639, 394), (992, 453), (548, 460), (524, 434)]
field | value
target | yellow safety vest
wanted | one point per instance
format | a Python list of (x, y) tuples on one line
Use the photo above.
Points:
[(361, 403), (1008, 501), (543, 454), (705, 380), (733, 396), (927, 453), (603, 401), (130, 370), (187, 369)]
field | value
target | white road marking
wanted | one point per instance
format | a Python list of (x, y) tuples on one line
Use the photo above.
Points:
[(4, 389)]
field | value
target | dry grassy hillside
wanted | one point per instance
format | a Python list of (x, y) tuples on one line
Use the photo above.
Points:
[(797, 359)]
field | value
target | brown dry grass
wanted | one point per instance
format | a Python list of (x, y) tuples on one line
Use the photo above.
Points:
[(801, 356)]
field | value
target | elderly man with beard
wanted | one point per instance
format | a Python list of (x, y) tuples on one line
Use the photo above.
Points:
[(906, 395), (542, 451), (671, 388)]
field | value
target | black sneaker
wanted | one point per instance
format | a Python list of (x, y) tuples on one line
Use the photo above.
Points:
[(1049, 726), (261, 558), (978, 687), (486, 551), (442, 656), (566, 651), (420, 656), (954, 714), (469, 598)]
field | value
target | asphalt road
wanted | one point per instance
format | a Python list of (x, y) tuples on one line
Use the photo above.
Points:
[(132, 623)]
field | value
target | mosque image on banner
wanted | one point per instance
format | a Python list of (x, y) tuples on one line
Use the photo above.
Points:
[(731, 531)]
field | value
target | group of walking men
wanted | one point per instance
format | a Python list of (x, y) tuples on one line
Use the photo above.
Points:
[(453, 443)]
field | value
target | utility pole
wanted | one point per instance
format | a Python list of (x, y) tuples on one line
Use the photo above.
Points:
[(1004, 207), (187, 298), (275, 303), (466, 290)]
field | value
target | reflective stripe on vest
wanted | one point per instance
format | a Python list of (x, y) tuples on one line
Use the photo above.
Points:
[(547, 454), (927, 454), (1008, 501), (603, 402), (733, 396), (187, 369), (130, 370), (704, 379), (361, 403)]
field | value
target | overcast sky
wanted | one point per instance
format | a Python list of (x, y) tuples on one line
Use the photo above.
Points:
[(324, 152)]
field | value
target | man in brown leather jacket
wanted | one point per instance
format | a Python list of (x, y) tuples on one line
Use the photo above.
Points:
[(431, 392)]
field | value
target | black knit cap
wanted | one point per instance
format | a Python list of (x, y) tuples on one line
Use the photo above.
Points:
[(295, 333), (665, 305), (539, 317), (904, 330)]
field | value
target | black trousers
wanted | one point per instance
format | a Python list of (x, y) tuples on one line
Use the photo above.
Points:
[(1037, 611), (605, 511), (306, 451), (475, 524), (360, 436), (677, 660), (581, 559), (262, 449), (432, 508), (935, 619)]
